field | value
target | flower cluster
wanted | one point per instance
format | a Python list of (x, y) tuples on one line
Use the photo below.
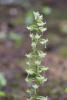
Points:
[(35, 68)]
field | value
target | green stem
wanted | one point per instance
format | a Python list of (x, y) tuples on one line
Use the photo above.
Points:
[(36, 95)]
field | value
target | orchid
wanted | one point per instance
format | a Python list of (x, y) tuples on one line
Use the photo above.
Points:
[(35, 68)]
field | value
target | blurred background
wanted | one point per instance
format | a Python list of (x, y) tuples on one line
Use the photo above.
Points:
[(15, 15)]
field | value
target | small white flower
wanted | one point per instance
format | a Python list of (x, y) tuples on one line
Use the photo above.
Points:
[(33, 44), (41, 54), (36, 14), (37, 36), (30, 71), (37, 62), (31, 35), (27, 63), (44, 41), (35, 86), (28, 55), (40, 17), (29, 28), (42, 29), (41, 24), (45, 98)]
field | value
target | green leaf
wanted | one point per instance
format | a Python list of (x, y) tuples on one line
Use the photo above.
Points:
[(2, 94), (65, 90), (2, 80), (29, 17)]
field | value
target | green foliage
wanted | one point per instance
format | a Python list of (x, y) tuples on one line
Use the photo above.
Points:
[(35, 69), (29, 17), (17, 38), (65, 90), (2, 80), (2, 83), (46, 10), (2, 94)]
